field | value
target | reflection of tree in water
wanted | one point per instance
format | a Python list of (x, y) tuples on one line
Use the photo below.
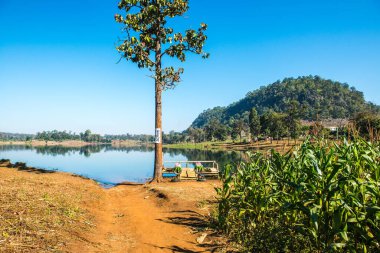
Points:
[(54, 150), (15, 147), (129, 149), (88, 150), (221, 157), (85, 150)]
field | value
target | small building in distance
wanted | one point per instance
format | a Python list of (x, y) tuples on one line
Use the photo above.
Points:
[(332, 124)]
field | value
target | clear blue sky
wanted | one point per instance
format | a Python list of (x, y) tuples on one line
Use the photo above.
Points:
[(58, 60)]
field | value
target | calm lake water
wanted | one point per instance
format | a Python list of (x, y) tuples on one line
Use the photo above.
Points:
[(106, 164)]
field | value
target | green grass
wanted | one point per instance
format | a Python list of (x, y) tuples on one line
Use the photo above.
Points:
[(201, 145), (282, 145)]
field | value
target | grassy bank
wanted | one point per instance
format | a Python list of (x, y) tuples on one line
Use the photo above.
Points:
[(192, 145), (280, 146)]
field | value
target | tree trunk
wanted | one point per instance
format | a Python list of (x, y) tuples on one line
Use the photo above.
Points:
[(158, 161), (158, 158)]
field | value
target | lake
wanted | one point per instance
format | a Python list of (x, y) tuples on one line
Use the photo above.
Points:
[(106, 164)]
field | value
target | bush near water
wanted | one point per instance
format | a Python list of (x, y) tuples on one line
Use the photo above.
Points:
[(320, 198)]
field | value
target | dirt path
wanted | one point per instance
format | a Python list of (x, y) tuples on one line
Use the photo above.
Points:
[(138, 219), (41, 211)]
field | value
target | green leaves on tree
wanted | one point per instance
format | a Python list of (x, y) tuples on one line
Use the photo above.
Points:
[(149, 38)]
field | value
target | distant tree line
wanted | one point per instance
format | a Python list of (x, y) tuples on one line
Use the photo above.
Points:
[(275, 125), (134, 137), (15, 137), (86, 136), (252, 126), (55, 135)]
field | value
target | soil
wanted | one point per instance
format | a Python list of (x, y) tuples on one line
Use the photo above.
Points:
[(167, 217), (144, 219)]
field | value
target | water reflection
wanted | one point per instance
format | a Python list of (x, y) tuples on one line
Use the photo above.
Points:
[(107, 163), (84, 150)]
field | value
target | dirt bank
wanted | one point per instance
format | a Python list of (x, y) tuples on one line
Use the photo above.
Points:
[(44, 212)]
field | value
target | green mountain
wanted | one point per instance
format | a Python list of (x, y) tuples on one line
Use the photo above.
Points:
[(317, 97)]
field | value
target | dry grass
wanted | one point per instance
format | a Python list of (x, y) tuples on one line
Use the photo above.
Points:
[(42, 212)]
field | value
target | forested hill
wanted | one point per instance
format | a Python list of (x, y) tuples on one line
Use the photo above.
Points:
[(316, 97)]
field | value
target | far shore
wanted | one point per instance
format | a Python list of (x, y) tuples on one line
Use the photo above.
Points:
[(72, 143)]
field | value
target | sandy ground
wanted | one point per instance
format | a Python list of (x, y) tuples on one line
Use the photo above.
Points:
[(167, 217)]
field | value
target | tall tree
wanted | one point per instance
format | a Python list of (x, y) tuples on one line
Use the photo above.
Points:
[(273, 124), (254, 123), (148, 39), (294, 112)]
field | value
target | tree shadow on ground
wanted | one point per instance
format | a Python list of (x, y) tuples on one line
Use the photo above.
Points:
[(23, 167), (197, 223), (175, 248), (35, 170), (187, 218)]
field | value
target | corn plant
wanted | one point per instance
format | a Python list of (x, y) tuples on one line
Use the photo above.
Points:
[(324, 197)]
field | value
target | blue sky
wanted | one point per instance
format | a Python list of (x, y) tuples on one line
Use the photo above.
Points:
[(58, 63)]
